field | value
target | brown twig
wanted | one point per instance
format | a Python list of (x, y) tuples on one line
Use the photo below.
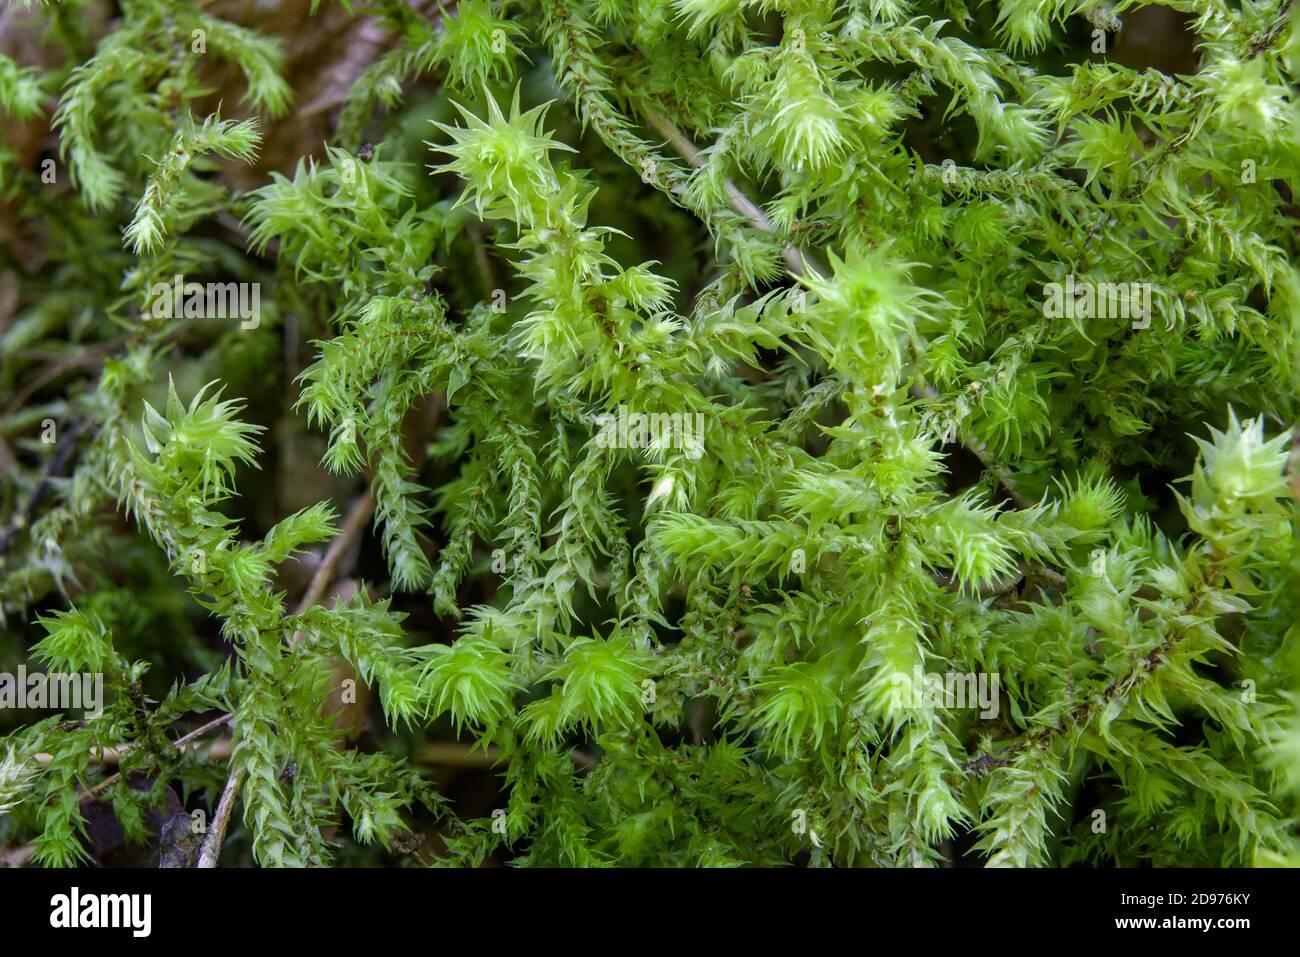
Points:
[(454, 754), (211, 850), (116, 753), (90, 357), (358, 515), (799, 263)]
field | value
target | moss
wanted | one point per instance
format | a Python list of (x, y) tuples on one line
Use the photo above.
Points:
[(748, 432)]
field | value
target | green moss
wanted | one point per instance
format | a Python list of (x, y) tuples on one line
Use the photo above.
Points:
[(809, 432)]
